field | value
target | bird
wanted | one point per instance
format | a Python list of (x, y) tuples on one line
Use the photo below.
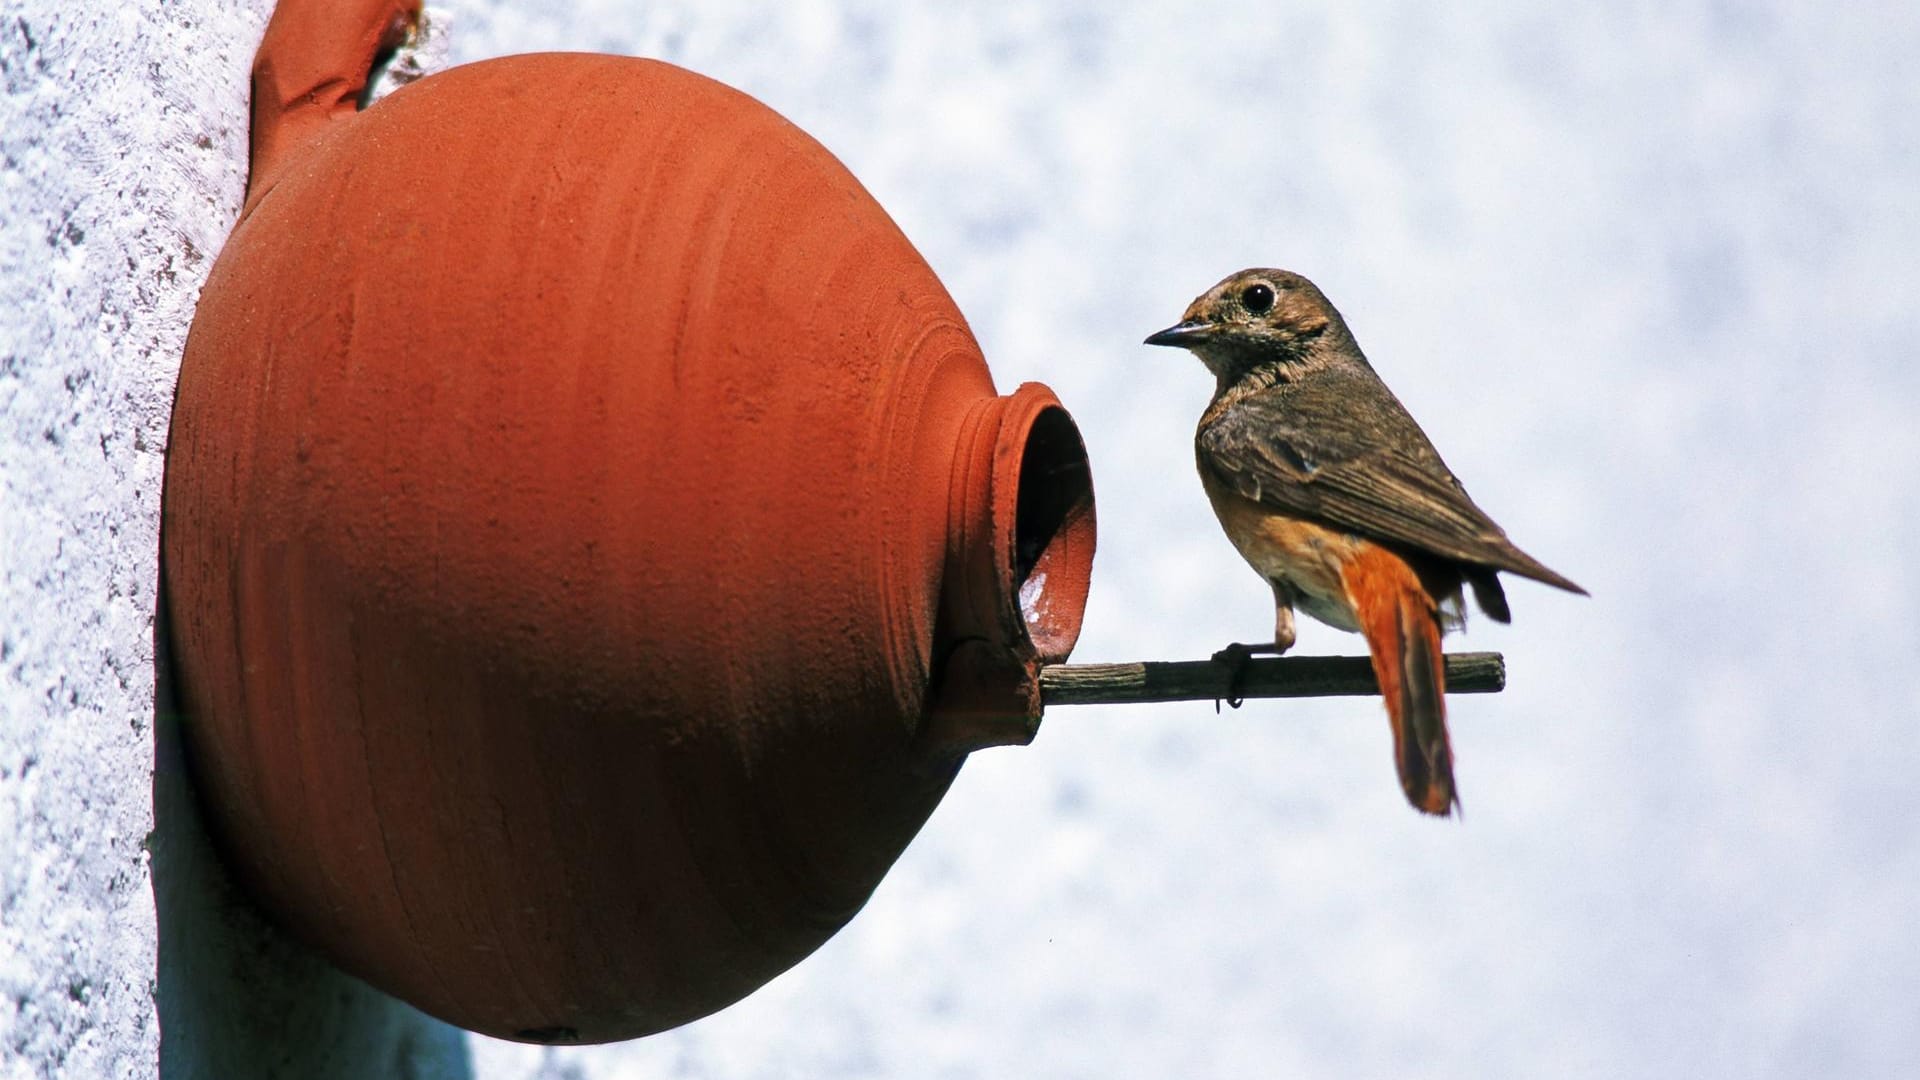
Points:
[(1331, 492)]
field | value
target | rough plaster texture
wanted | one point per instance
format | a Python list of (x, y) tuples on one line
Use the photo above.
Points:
[(124, 156)]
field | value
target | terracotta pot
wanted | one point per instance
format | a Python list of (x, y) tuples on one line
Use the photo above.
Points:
[(592, 536)]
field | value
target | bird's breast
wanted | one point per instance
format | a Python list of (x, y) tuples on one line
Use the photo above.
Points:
[(1305, 555)]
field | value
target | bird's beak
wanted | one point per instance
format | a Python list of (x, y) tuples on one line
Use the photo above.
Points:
[(1184, 335)]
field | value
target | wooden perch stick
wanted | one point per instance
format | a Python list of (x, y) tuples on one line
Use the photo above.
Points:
[(1286, 676)]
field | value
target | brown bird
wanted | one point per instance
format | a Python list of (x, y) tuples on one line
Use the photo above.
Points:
[(1334, 495)]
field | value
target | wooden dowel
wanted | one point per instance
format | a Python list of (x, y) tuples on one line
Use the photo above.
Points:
[(1285, 676)]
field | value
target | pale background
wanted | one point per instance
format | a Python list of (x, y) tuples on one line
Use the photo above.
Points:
[(1647, 276)]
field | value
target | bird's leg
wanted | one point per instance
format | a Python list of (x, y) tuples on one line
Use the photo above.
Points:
[(1237, 655), (1282, 616)]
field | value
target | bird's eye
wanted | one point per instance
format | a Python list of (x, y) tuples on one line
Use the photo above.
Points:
[(1257, 298)]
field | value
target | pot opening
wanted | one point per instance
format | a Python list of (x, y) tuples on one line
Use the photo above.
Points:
[(1053, 534)]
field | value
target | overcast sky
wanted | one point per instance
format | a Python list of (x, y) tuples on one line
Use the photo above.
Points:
[(1647, 276)]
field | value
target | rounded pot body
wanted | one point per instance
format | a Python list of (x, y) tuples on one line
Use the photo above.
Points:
[(564, 480)]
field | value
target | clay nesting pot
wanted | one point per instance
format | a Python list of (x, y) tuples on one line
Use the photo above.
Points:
[(592, 536)]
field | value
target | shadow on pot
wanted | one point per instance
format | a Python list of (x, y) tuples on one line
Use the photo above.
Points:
[(236, 996)]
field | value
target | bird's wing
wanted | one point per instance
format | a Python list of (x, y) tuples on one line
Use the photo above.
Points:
[(1340, 450)]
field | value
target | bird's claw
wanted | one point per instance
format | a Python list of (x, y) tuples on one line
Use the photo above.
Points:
[(1235, 656)]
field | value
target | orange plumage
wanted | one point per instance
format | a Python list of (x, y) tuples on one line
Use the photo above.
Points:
[(1401, 623)]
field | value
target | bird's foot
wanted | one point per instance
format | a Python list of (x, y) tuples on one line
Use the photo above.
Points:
[(1236, 657)]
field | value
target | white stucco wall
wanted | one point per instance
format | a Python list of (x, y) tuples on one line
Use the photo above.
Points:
[(124, 156)]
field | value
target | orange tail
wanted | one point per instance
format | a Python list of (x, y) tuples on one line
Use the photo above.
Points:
[(1402, 627)]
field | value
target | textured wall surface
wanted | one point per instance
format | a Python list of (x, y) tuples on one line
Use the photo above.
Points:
[(1644, 274), (124, 156)]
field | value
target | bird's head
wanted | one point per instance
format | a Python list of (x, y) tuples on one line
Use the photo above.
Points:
[(1259, 320)]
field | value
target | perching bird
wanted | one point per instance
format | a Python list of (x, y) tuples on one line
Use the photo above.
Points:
[(1334, 495)]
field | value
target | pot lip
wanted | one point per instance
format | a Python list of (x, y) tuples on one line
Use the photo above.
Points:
[(1021, 537), (1044, 521)]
